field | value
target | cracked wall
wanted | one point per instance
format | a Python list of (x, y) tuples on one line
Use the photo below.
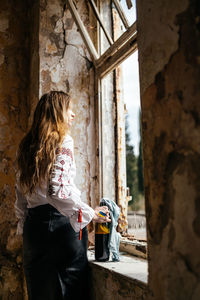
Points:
[(109, 285), (14, 114), (41, 50), (169, 51), (65, 65)]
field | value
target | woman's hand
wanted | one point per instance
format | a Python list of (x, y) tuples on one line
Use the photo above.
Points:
[(97, 218)]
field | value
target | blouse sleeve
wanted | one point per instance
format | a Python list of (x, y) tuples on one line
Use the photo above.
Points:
[(62, 192), (20, 207)]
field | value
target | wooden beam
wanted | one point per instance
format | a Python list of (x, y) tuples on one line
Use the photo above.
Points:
[(129, 3), (83, 31), (121, 14), (97, 15), (116, 53), (117, 44), (118, 57)]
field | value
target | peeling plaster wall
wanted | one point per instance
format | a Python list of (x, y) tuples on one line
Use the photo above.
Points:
[(14, 114), (65, 65), (169, 60), (41, 50), (34, 59)]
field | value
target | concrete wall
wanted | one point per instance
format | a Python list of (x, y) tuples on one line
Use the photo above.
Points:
[(66, 65), (14, 114), (41, 50), (108, 285), (54, 57), (169, 59)]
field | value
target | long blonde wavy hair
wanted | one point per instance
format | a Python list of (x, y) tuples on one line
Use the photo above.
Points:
[(36, 153)]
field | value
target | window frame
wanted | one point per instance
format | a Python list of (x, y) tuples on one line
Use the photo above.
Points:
[(104, 64)]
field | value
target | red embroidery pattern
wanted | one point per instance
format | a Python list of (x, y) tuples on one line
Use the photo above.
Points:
[(60, 180), (65, 151), (63, 194)]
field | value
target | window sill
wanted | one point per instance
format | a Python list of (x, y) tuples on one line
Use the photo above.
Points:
[(128, 266), (126, 279)]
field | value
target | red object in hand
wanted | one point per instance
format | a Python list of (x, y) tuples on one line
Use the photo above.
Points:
[(80, 220)]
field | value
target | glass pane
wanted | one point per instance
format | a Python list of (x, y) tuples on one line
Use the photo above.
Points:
[(130, 13), (134, 171)]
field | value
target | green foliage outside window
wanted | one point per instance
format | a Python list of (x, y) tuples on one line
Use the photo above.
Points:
[(134, 171)]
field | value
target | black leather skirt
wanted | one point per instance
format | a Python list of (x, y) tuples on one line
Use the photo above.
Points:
[(55, 260)]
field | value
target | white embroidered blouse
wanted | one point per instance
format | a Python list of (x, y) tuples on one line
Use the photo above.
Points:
[(59, 191)]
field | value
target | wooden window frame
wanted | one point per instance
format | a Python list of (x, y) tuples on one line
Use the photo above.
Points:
[(105, 63), (118, 51)]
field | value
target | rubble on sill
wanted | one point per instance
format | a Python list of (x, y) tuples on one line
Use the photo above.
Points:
[(133, 246)]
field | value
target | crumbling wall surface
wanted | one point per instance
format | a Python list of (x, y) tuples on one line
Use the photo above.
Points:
[(65, 65), (14, 82), (169, 59), (109, 285)]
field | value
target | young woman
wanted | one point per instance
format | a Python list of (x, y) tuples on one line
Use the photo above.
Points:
[(52, 217)]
